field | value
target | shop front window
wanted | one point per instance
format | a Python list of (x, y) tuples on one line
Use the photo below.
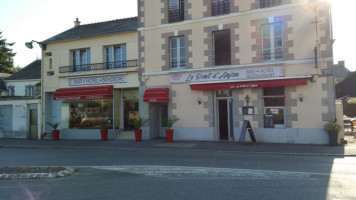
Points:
[(274, 101), (87, 114)]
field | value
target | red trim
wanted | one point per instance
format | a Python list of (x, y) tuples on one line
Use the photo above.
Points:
[(250, 84), (156, 95), (75, 93)]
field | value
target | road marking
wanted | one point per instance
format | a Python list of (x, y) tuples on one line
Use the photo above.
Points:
[(182, 172)]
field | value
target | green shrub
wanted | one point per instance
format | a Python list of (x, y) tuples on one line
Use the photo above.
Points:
[(138, 123), (169, 122), (332, 126)]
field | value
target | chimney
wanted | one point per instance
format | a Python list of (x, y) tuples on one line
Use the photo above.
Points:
[(341, 66), (76, 23)]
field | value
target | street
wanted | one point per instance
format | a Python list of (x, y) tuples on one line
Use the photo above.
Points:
[(150, 174)]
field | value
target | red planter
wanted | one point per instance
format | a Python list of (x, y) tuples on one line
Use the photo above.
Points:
[(55, 134), (138, 135), (169, 135), (104, 134)]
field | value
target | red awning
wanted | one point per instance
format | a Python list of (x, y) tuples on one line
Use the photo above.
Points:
[(156, 95), (250, 84), (75, 93)]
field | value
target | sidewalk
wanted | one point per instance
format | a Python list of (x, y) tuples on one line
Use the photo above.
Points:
[(194, 146)]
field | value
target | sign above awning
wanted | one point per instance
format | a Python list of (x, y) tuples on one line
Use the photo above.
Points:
[(156, 95), (250, 84), (76, 93), (228, 75)]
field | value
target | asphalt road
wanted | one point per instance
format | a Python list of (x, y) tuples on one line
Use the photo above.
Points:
[(146, 174)]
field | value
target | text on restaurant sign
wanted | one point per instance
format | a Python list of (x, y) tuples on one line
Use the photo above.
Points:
[(238, 74), (122, 78)]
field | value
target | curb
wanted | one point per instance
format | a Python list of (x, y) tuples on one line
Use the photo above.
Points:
[(186, 150), (63, 173)]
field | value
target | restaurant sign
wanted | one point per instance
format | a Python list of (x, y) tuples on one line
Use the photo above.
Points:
[(238, 74), (96, 80)]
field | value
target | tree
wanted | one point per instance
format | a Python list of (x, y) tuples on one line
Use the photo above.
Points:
[(6, 56)]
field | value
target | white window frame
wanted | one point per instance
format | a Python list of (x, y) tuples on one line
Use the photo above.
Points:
[(272, 36), (284, 115), (11, 90), (30, 91), (80, 62), (111, 56), (178, 57)]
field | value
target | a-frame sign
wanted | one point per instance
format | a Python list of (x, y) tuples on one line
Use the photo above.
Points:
[(247, 126)]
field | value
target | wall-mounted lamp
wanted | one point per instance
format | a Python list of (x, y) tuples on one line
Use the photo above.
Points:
[(30, 45), (300, 97), (199, 101), (247, 99)]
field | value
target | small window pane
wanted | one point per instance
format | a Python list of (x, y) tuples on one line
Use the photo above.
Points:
[(266, 31), (224, 93), (278, 29), (267, 54), (278, 53), (181, 41), (278, 42), (266, 43)]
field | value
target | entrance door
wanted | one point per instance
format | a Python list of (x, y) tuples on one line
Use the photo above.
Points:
[(163, 118), (33, 124), (225, 119)]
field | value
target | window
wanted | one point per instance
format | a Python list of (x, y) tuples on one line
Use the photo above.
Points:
[(220, 7), (11, 90), (177, 52), (176, 11), (274, 106), (30, 90), (50, 73), (272, 47), (81, 60), (50, 64), (87, 114), (269, 3), (222, 47), (115, 56)]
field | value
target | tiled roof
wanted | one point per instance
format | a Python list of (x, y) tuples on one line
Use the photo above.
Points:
[(96, 29), (31, 71)]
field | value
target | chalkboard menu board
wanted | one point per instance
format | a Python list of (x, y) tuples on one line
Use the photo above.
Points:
[(269, 121)]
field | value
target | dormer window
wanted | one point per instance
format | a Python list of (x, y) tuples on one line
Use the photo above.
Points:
[(30, 90), (176, 11), (220, 7), (11, 91), (269, 3)]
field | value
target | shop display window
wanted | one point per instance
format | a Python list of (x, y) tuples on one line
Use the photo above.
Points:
[(274, 101), (87, 114)]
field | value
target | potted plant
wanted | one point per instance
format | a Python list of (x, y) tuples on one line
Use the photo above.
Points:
[(55, 132), (104, 130), (333, 129), (137, 124), (169, 131)]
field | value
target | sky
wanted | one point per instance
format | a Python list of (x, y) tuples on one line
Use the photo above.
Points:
[(25, 20)]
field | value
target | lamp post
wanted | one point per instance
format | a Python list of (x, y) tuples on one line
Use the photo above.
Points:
[(30, 45), (43, 48)]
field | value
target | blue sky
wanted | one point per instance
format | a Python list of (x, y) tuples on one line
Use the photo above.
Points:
[(25, 20)]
